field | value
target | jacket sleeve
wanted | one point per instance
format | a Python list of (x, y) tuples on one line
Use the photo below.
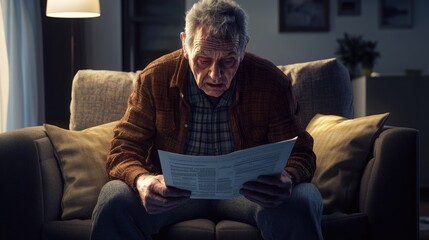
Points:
[(133, 136), (285, 121)]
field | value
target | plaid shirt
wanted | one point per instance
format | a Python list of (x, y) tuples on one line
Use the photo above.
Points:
[(209, 130)]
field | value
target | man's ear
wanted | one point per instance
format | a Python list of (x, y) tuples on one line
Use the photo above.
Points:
[(247, 41), (245, 46), (183, 39)]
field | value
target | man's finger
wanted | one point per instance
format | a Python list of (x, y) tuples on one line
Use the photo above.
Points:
[(158, 204), (160, 201), (273, 180), (170, 192), (259, 198), (272, 190)]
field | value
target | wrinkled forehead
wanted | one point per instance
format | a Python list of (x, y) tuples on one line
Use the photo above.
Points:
[(206, 42)]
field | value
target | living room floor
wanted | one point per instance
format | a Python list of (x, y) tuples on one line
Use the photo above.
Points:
[(424, 212)]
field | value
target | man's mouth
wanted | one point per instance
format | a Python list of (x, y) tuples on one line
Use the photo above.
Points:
[(215, 85)]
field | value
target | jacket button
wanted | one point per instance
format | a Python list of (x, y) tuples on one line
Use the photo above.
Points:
[(186, 125)]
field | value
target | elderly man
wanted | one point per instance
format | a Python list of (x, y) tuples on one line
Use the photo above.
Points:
[(208, 98)]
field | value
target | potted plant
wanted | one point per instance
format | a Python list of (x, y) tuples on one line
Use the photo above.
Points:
[(357, 55), (369, 55)]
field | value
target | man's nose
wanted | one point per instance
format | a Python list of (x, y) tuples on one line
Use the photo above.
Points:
[(216, 71)]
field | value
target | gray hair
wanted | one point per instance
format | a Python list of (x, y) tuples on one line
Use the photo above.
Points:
[(223, 19)]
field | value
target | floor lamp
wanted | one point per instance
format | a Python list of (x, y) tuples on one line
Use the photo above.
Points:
[(73, 9)]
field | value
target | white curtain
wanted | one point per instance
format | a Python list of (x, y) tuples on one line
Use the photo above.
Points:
[(21, 82), (4, 75)]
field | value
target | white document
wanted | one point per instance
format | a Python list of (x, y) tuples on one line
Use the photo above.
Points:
[(221, 177)]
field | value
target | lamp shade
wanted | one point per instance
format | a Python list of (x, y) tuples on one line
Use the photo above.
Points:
[(73, 8)]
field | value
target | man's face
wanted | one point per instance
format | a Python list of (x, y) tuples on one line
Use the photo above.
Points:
[(213, 62)]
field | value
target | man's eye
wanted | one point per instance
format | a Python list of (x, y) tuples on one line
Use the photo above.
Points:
[(228, 62), (203, 61)]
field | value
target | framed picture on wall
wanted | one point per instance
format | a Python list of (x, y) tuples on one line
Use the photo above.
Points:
[(396, 13), (348, 7), (303, 15)]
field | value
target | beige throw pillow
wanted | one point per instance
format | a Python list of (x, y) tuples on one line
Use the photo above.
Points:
[(342, 147), (82, 159)]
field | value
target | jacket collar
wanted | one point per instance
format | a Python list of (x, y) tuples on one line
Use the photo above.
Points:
[(179, 78)]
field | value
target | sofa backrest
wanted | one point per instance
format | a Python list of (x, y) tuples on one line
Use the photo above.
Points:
[(321, 86), (100, 96)]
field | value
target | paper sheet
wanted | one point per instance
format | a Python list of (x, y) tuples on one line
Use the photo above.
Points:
[(221, 177)]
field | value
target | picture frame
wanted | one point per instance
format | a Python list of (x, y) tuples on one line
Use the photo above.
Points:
[(303, 15), (348, 7), (396, 14)]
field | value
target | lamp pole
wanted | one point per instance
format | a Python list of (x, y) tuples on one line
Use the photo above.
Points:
[(73, 9)]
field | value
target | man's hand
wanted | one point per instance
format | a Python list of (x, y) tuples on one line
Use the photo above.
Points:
[(157, 197), (268, 190)]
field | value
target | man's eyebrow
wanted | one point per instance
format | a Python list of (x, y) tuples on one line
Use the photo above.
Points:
[(232, 53), (205, 52), (202, 52)]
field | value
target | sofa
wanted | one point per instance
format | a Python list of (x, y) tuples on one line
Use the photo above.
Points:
[(367, 171)]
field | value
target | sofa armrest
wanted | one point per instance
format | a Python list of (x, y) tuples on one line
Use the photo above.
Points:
[(21, 201), (389, 192)]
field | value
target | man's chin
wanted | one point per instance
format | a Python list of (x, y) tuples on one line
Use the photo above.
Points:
[(212, 93)]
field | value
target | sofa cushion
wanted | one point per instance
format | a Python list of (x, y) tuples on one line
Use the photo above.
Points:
[(321, 86), (233, 230), (342, 147), (82, 159), (67, 230), (191, 229)]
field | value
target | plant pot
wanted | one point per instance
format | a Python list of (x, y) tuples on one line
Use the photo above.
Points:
[(366, 72)]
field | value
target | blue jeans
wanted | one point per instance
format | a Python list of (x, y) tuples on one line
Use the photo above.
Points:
[(119, 214)]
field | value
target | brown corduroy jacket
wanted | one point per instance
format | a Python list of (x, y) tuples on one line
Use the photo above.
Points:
[(263, 111)]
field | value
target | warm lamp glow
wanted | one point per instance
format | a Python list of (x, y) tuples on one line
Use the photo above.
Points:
[(73, 8)]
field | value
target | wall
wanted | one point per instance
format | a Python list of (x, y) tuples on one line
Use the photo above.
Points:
[(104, 37)]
